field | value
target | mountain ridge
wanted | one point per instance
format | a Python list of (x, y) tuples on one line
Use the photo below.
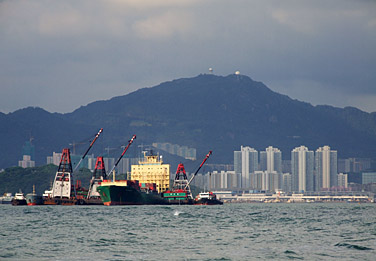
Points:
[(208, 112)]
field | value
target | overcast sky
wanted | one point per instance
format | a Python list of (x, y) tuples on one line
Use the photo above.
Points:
[(60, 55)]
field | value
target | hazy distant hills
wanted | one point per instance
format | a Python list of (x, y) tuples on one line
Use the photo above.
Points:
[(206, 112), (50, 132)]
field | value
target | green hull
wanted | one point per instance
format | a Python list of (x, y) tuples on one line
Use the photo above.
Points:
[(127, 195), (177, 198)]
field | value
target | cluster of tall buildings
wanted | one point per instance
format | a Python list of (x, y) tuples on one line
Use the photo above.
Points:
[(309, 171), (175, 149)]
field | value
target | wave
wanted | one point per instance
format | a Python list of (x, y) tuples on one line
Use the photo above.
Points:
[(351, 246)]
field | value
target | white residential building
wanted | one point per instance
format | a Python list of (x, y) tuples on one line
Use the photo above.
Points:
[(302, 166), (245, 163), (326, 168), (271, 160), (26, 162), (342, 180)]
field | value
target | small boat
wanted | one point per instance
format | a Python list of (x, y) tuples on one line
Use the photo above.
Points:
[(6, 198), (19, 199), (207, 198)]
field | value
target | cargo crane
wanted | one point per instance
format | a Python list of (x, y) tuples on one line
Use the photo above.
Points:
[(62, 186), (99, 174), (74, 144), (63, 189), (181, 191)]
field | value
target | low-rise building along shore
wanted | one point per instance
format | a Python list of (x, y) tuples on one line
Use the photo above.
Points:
[(280, 197)]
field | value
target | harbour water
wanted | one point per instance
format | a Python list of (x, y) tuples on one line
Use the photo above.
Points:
[(310, 231)]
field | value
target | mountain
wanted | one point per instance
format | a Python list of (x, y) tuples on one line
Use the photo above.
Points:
[(49, 132), (16, 178), (207, 112)]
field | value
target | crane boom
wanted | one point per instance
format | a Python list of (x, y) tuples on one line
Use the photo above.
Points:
[(203, 162), (121, 156), (88, 149)]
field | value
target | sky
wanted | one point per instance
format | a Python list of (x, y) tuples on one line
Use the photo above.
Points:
[(60, 55)]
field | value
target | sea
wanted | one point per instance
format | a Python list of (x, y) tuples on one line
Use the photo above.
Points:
[(242, 231)]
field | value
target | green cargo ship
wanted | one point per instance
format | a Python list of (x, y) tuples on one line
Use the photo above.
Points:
[(128, 192)]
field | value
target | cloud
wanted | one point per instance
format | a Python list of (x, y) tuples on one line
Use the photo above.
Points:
[(164, 26), (68, 22), (147, 4), (319, 93), (372, 23), (97, 49), (301, 21), (315, 17)]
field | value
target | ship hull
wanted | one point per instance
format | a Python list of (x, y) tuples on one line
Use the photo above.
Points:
[(93, 201), (33, 200), (127, 195), (6, 201), (180, 202), (59, 201), (177, 198), (206, 201), (19, 202)]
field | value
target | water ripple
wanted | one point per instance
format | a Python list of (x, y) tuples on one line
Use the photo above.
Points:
[(228, 232)]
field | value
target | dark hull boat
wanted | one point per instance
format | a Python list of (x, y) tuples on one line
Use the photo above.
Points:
[(207, 198), (127, 192), (19, 200)]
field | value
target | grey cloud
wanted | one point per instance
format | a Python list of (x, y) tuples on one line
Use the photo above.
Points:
[(90, 50)]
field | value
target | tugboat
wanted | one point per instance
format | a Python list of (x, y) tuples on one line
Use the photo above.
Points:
[(19, 199), (207, 198), (181, 191)]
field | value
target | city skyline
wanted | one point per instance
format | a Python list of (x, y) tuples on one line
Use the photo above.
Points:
[(310, 172), (29, 149)]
